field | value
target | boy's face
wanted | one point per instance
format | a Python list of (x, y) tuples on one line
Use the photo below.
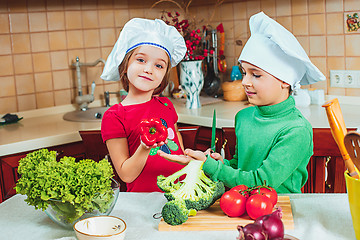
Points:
[(261, 88), (147, 68)]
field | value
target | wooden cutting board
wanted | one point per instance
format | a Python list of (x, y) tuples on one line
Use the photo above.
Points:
[(214, 219)]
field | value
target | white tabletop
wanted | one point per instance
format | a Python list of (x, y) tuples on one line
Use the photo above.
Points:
[(316, 216)]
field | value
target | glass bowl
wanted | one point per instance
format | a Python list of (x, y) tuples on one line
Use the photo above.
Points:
[(57, 209)]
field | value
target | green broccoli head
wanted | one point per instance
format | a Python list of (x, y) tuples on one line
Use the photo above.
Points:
[(196, 189), (175, 212), (219, 191)]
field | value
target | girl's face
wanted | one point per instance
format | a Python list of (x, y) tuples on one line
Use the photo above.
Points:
[(261, 88), (147, 68)]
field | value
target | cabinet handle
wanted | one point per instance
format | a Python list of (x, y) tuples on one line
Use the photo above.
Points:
[(59, 154), (326, 172), (222, 151)]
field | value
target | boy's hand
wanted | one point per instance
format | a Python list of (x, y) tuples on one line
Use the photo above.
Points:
[(183, 159), (214, 155)]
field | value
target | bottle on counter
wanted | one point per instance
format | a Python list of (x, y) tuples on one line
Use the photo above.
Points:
[(235, 73)]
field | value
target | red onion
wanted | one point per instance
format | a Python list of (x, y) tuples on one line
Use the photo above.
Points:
[(252, 231), (272, 224)]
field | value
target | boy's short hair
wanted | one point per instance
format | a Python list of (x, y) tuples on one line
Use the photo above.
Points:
[(125, 81)]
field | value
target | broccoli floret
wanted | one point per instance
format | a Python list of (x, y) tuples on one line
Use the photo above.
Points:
[(175, 212), (219, 191), (166, 184), (196, 189)]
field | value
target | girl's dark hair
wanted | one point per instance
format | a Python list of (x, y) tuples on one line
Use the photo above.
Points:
[(125, 81)]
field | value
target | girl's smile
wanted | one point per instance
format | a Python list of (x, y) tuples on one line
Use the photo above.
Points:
[(147, 78)]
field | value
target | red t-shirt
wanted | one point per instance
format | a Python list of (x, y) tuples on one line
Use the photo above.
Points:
[(123, 122)]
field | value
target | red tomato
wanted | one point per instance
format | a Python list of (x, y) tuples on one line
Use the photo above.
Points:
[(239, 188), (233, 203), (268, 192), (258, 205)]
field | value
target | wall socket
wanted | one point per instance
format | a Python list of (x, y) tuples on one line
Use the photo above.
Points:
[(345, 78)]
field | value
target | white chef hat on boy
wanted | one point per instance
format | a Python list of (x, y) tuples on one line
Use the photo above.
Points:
[(275, 50), (139, 31)]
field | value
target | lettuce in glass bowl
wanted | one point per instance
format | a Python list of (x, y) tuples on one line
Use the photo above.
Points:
[(66, 214), (67, 189)]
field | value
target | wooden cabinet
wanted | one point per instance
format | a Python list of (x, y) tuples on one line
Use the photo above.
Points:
[(9, 165), (95, 148), (198, 137), (325, 168), (327, 152)]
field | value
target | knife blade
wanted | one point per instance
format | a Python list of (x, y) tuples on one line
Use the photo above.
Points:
[(213, 132)]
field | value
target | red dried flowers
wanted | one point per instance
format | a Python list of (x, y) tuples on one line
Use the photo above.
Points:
[(192, 38)]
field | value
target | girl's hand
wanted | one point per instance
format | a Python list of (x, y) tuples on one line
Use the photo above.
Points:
[(183, 159), (153, 132), (143, 145), (214, 155)]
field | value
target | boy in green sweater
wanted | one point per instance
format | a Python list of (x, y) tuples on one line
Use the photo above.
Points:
[(274, 140)]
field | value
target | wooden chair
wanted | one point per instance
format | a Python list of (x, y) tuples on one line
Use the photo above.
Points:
[(95, 149), (338, 130)]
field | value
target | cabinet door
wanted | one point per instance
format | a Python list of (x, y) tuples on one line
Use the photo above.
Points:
[(188, 134), (199, 137), (326, 148), (9, 166), (96, 149), (316, 167), (230, 138), (75, 150)]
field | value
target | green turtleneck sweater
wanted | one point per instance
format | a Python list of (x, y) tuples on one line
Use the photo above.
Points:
[(274, 144)]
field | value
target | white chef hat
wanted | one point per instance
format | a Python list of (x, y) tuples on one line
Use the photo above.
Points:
[(139, 31), (275, 50)]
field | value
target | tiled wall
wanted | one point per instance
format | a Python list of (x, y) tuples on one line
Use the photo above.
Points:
[(39, 39)]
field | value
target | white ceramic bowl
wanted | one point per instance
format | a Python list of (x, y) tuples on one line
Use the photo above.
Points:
[(100, 228)]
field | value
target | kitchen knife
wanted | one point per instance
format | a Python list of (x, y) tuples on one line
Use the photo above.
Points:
[(213, 133)]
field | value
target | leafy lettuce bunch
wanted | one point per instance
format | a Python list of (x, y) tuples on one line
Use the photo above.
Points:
[(79, 187)]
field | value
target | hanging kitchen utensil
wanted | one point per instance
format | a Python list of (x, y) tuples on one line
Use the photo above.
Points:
[(221, 61), (338, 131), (352, 144), (211, 80)]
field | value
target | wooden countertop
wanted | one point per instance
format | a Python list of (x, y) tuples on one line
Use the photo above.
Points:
[(316, 216), (46, 127)]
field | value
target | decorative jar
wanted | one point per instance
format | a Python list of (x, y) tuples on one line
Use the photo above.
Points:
[(192, 81)]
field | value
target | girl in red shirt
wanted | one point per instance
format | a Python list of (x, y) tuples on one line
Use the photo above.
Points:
[(141, 59)]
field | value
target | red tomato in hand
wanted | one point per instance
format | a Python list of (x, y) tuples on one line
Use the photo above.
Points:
[(233, 203), (268, 192), (258, 205)]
